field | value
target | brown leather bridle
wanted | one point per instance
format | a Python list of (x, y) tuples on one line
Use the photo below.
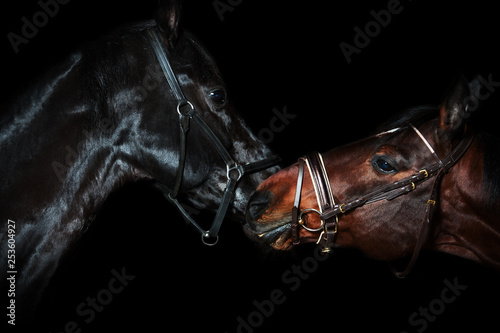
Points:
[(329, 212)]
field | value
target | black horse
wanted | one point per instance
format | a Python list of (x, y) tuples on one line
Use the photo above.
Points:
[(103, 118)]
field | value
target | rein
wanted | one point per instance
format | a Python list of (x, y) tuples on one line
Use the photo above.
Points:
[(235, 171), (329, 212)]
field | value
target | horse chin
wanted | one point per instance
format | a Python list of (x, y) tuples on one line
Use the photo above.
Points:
[(283, 242), (279, 238)]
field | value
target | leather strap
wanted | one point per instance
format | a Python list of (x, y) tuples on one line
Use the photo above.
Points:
[(168, 72), (296, 203), (184, 125), (325, 199), (406, 185), (320, 181), (422, 237), (186, 111), (432, 202), (324, 196)]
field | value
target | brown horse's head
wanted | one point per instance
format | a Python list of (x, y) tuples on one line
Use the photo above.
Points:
[(466, 203)]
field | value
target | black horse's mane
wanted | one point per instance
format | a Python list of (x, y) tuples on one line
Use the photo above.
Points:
[(105, 68), (102, 71)]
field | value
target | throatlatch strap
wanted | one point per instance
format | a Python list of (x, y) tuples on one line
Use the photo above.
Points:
[(424, 228)]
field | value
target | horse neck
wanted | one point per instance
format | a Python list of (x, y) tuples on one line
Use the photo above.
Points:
[(44, 239), (55, 147), (469, 225), (58, 176)]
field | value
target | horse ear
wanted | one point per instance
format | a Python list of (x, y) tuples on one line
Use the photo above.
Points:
[(454, 110), (167, 18)]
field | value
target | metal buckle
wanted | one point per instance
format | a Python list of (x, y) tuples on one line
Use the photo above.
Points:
[(184, 103), (205, 236), (425, 172), (341, 208), (237, 168), (303, 224)]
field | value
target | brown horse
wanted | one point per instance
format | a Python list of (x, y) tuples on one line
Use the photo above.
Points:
[(425, 180)]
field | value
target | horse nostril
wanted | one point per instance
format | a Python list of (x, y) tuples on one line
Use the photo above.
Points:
[(257, 205)]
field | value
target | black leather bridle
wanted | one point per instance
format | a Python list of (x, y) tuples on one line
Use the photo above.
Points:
[(187, 112), (329, 212)]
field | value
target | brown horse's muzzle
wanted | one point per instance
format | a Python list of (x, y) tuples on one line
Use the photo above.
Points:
[(269, 210)]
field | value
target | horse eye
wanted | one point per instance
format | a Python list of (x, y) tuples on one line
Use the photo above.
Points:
[(218, 96), (384, 164)]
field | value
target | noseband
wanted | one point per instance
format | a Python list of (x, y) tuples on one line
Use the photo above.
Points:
[(235, 171), (330, 212)]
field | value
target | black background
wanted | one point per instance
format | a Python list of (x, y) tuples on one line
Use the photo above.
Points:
[(273, 54)]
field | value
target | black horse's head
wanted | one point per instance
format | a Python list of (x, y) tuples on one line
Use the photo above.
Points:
[(145, 126)]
